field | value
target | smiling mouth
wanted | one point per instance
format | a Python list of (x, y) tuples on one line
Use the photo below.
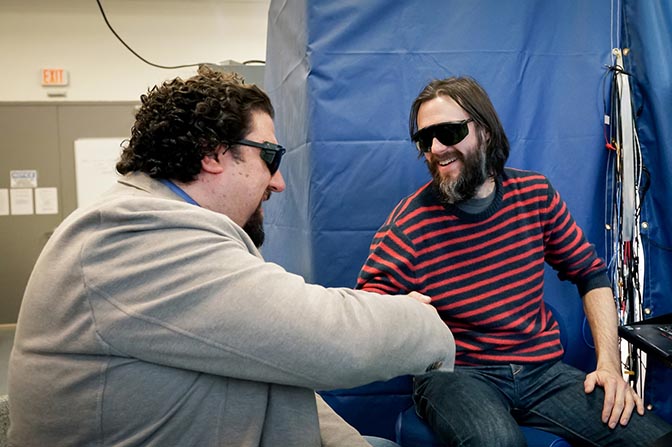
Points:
[(447, 162)]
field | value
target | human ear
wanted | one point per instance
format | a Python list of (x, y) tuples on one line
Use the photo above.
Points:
[(485, 136), (211, 164)]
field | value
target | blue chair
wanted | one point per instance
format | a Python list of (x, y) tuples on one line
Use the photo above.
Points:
[(385, 409), (373, 409)]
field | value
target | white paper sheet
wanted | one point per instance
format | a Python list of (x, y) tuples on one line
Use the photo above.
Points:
[(21, 201), (4, 202), (46, 201), (95, 159)]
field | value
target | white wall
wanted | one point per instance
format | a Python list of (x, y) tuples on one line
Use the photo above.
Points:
[(72, 34)]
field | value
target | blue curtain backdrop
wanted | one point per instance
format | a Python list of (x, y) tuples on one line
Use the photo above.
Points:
[(647, 31), (342, 76)]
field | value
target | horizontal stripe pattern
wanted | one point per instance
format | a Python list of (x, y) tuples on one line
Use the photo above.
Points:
[(485, 272)]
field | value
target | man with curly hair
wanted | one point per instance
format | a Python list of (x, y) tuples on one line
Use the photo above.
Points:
[(151, 318)]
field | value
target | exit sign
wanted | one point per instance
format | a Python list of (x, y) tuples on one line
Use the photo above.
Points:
[(54, 76)]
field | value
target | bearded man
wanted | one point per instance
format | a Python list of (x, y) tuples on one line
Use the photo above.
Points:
[(475, 239), (152, 319)]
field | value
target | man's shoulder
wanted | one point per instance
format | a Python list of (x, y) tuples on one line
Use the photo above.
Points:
[(520, 178), (412, 205), (522, 174), (127, 208)]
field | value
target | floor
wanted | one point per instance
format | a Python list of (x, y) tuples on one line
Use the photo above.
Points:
[(6, 341)]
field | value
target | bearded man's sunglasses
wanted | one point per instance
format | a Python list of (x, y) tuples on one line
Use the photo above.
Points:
[(448, 133), (271, 153)]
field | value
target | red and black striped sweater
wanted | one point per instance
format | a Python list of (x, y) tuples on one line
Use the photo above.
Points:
[(485, 272)]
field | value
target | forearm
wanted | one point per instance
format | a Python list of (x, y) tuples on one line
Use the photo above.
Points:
[(600, 310), (619, 398)]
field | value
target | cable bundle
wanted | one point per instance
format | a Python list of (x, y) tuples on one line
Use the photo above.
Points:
[(623, 207)]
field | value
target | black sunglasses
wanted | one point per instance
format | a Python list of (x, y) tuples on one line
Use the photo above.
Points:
[(271, 153), (448, 134)]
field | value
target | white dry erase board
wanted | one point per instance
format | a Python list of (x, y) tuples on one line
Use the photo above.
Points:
[(95, 159)]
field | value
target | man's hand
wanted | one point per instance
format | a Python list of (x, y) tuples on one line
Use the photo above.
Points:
[(424, 299), (619, 397)]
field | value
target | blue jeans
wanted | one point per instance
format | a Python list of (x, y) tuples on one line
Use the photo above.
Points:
[(483, 406)]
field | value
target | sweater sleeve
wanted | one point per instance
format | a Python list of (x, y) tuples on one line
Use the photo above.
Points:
[(390, 267), (566, 248)]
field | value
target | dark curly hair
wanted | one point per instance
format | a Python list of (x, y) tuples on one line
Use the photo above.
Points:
[(475, 101), (181, 121)]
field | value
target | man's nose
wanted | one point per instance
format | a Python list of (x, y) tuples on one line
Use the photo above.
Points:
[(277, 183), (438, 147)]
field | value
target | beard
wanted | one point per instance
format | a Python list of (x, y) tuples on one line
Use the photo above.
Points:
[(473, 174), (254, 227)]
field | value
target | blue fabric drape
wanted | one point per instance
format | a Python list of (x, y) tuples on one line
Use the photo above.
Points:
[(342, 75), (647, 31)]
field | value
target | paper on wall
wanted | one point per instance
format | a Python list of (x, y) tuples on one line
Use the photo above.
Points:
[(46, 201), (95, 160), (21, 201), (4, 202)]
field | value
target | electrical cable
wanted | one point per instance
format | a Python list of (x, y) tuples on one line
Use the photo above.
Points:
[(625, 195), (168, 67), (614, 28)]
